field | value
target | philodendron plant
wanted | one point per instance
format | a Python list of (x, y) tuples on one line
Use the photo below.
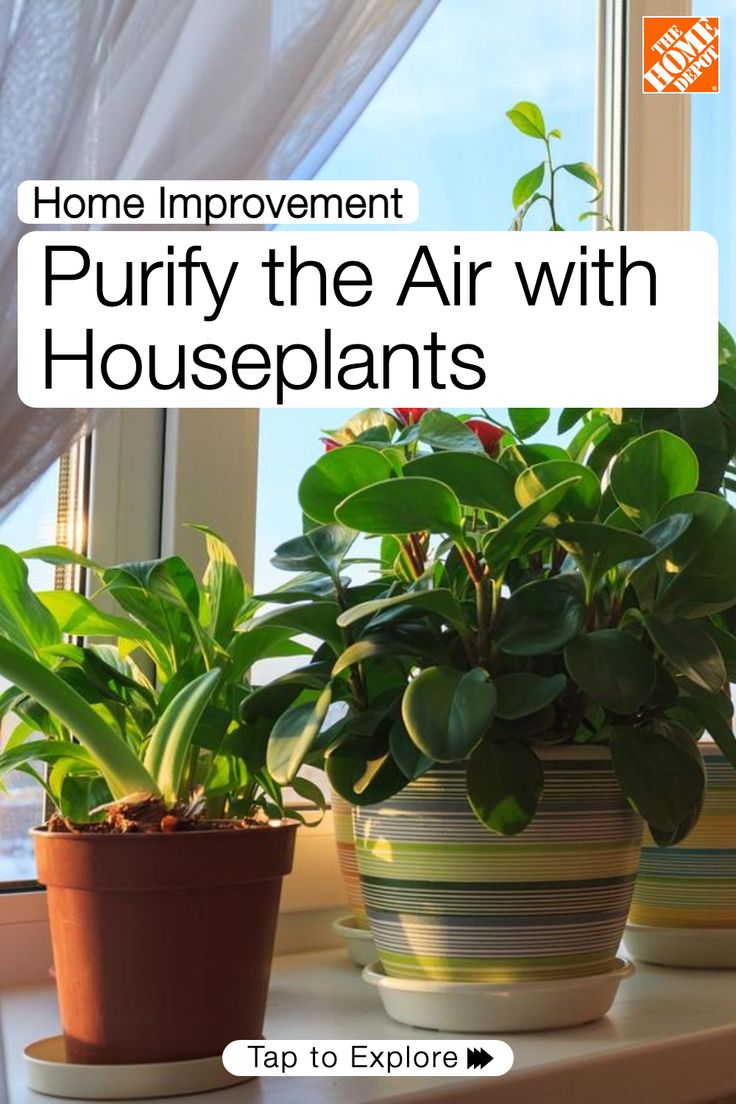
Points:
[(136, 714), (522, 595)]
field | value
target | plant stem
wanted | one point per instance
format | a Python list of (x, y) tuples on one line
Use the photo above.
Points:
[(551, 183)]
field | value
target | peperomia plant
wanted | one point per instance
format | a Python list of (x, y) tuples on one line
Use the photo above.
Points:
[(136, 713), (528, 118), (521, 596)]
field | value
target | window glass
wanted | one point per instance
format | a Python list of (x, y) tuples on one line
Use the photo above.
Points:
[(33, 522), (714, 165), (439, 119)]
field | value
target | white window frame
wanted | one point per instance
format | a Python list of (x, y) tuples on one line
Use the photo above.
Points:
[(154, 471)]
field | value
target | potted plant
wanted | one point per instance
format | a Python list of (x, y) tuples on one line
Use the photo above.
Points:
[(538, 652), (165, 854), (683, 910)]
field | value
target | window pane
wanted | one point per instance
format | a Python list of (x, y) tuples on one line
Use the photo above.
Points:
[(32, 523), (714, 165), (440, 119)]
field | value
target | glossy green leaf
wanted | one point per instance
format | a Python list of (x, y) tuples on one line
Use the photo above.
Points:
[(76, 615), (541, 617), (581, 501), (650, 472), (661, 774), (410, 760), (527, 118), (523, 693), (447, 712), (613, 668), (23, 618), (321, 550), (293, 735), (224, 585), (527, 185), (585, 172), (440, 602), (336, 475), (505, 783), (478, 481), (313, 618), (710, 717), (528, 420), (363, 781), (597, 548), (699, 579), (503, 544), (400, 506), (690, 649), (444, 431), (167, 751)]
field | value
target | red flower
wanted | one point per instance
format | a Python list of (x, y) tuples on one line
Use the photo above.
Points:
[(330, 444), (408, 415), (488, 434)]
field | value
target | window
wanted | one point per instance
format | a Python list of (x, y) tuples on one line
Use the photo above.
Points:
[(33, 522), (440, 120), (713, 144)]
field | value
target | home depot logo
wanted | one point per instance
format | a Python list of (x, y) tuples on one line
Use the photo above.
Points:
[(680, 54)]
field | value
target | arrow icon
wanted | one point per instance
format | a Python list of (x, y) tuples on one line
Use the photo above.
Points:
[(478, 1058)]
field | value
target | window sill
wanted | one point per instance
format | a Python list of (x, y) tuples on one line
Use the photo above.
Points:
[(671, 1037)]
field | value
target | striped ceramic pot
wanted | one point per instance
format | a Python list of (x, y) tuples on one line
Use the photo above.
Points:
[(684, 908), (450, 901), (342, 819)]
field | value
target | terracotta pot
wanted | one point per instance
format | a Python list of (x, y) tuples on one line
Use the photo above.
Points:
[(450, 901), (162, 943)]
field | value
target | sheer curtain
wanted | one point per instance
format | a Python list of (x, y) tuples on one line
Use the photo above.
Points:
[(169, 89)]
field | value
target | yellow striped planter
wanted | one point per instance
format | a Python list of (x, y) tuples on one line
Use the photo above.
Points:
[(342, 819), (447, 900), (691, 887)]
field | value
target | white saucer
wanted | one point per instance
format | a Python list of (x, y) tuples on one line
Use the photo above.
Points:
[(360, 945), (479, 1007), (47, 1071), (697, 948)]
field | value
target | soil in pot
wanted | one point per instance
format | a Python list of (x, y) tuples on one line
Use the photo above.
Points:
[(449, 901), (162, 934)]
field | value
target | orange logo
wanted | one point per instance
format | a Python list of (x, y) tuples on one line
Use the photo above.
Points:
[(680, 54)]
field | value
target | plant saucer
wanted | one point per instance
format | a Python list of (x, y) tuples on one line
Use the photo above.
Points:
[(696, 948), (481, 1007), (359, 940), (47, 1071)]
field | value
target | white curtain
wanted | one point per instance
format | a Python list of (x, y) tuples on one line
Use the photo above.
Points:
[(169, 89)]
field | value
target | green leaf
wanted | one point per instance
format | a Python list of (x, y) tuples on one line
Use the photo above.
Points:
[(527, 118), (314, 618), (526, 185), (661, 775), (569, 417), (528, 420), (650, 472), (60, 556), (541, 616), (585, 172), (505, 783), (76, 615), (338, 474), (319, 550), (690, 649), (613, 668), (224, 585), (410, 760), (597, 548), (444, 431), (478, 481), (506, 542), (581, 500), (293, 735), (440, 602), (400, 506), (709, 716), (447, 712), (699, 575), (363, 781), (23, 618), (44, 751), (122, 770), (365, 421), (263, 642), (523, 693), (167, 750)]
